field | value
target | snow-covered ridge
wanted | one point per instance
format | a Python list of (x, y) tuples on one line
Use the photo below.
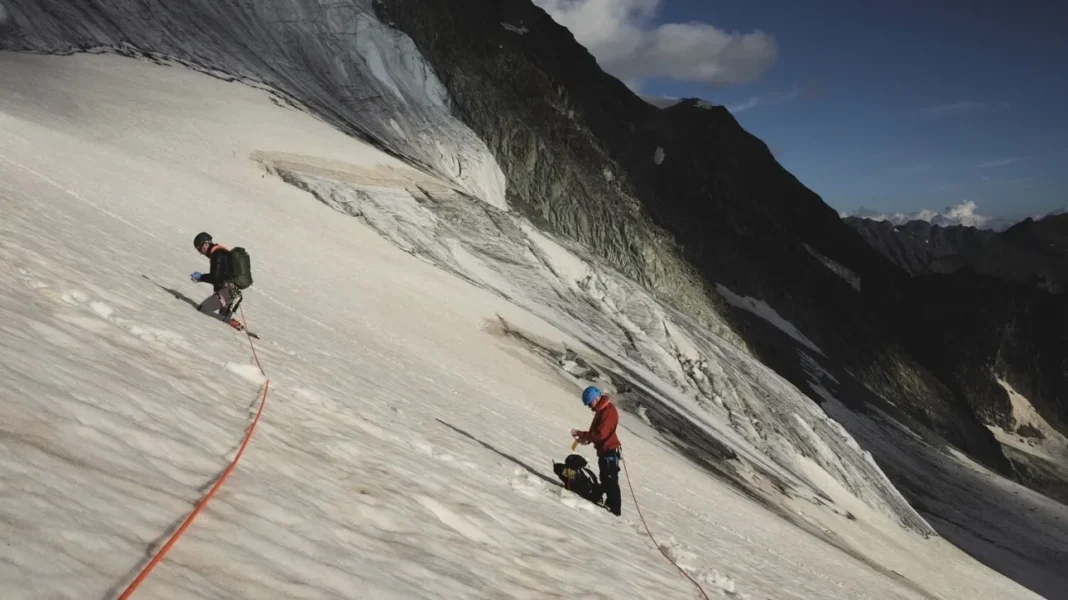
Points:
[(335, 58)]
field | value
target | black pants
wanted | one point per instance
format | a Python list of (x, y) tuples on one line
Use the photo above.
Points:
[(609, 467)]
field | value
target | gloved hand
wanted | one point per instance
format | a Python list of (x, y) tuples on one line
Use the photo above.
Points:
[(196, 276), (580, 436)]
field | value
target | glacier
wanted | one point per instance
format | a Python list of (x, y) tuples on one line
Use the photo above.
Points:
[(407, 313), (336, 59)]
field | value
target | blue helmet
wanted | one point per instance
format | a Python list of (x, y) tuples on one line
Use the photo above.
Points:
[(590, 394)]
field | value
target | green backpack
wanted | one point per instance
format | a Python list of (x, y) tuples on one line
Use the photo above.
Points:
[(242, 268)]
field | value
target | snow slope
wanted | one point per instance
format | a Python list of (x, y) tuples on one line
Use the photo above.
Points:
[(405, 445), (333, 57)]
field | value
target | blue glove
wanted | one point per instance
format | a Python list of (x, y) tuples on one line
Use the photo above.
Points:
[(196, 276)]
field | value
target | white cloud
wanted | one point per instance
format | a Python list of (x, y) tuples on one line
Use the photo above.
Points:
[(965, 213), (1052, 213), (621, 35), (767, 100), (661, 101), (1001, 162)]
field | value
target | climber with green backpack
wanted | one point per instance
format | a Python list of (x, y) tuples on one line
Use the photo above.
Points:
[(229, 273)]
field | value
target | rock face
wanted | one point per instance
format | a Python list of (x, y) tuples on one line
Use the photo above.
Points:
[(916, 244), (984, 304), (593, 161), (970, 329), (1034, 252), (1030, 251)]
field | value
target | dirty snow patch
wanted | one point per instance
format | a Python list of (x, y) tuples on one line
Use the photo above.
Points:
[(1023, 412), (1049, 444)]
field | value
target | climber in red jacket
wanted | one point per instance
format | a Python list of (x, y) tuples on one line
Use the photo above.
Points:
[(602, 434)]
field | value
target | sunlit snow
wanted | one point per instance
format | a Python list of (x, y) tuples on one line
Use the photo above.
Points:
[(406, 445)]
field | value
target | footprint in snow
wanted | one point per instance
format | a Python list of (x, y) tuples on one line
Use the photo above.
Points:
[(74, 297), (161, 337), (710, 578), (282, 349), (102, 309), (455, 521), (250, 373), (526, 483)]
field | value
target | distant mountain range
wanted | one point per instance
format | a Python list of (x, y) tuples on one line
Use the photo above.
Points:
[(966, 213), (1033, 250)]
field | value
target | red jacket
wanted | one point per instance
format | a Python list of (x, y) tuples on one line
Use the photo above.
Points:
[(602, 433)]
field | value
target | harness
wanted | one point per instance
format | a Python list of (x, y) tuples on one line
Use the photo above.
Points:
[(235, 292)]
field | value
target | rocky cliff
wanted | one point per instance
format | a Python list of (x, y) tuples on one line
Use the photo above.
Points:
[(642, 186), (1034, 251), (913, 246), (986, 306)]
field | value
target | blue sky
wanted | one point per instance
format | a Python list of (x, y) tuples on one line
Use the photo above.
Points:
[(895, 106)]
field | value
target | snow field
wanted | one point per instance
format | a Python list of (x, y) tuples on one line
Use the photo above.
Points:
[(403, 452)]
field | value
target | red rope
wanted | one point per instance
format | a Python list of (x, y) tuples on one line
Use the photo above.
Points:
[(662, 551), (218, 483)]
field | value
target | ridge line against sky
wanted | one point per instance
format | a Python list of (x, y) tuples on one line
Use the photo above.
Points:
[(897, 108)]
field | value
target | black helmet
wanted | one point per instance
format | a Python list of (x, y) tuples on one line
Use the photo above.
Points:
[(200, 239)]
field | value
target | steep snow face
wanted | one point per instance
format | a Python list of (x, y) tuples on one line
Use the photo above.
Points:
[(335, 58), (700, 388), (404, 447), (994, 519), (769, 314), (838, 268)]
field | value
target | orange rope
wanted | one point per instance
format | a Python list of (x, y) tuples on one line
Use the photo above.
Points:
[(218, 484), (662, 551)]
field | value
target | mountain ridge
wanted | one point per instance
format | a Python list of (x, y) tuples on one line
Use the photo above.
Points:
[(727, 206), (682, 200)]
